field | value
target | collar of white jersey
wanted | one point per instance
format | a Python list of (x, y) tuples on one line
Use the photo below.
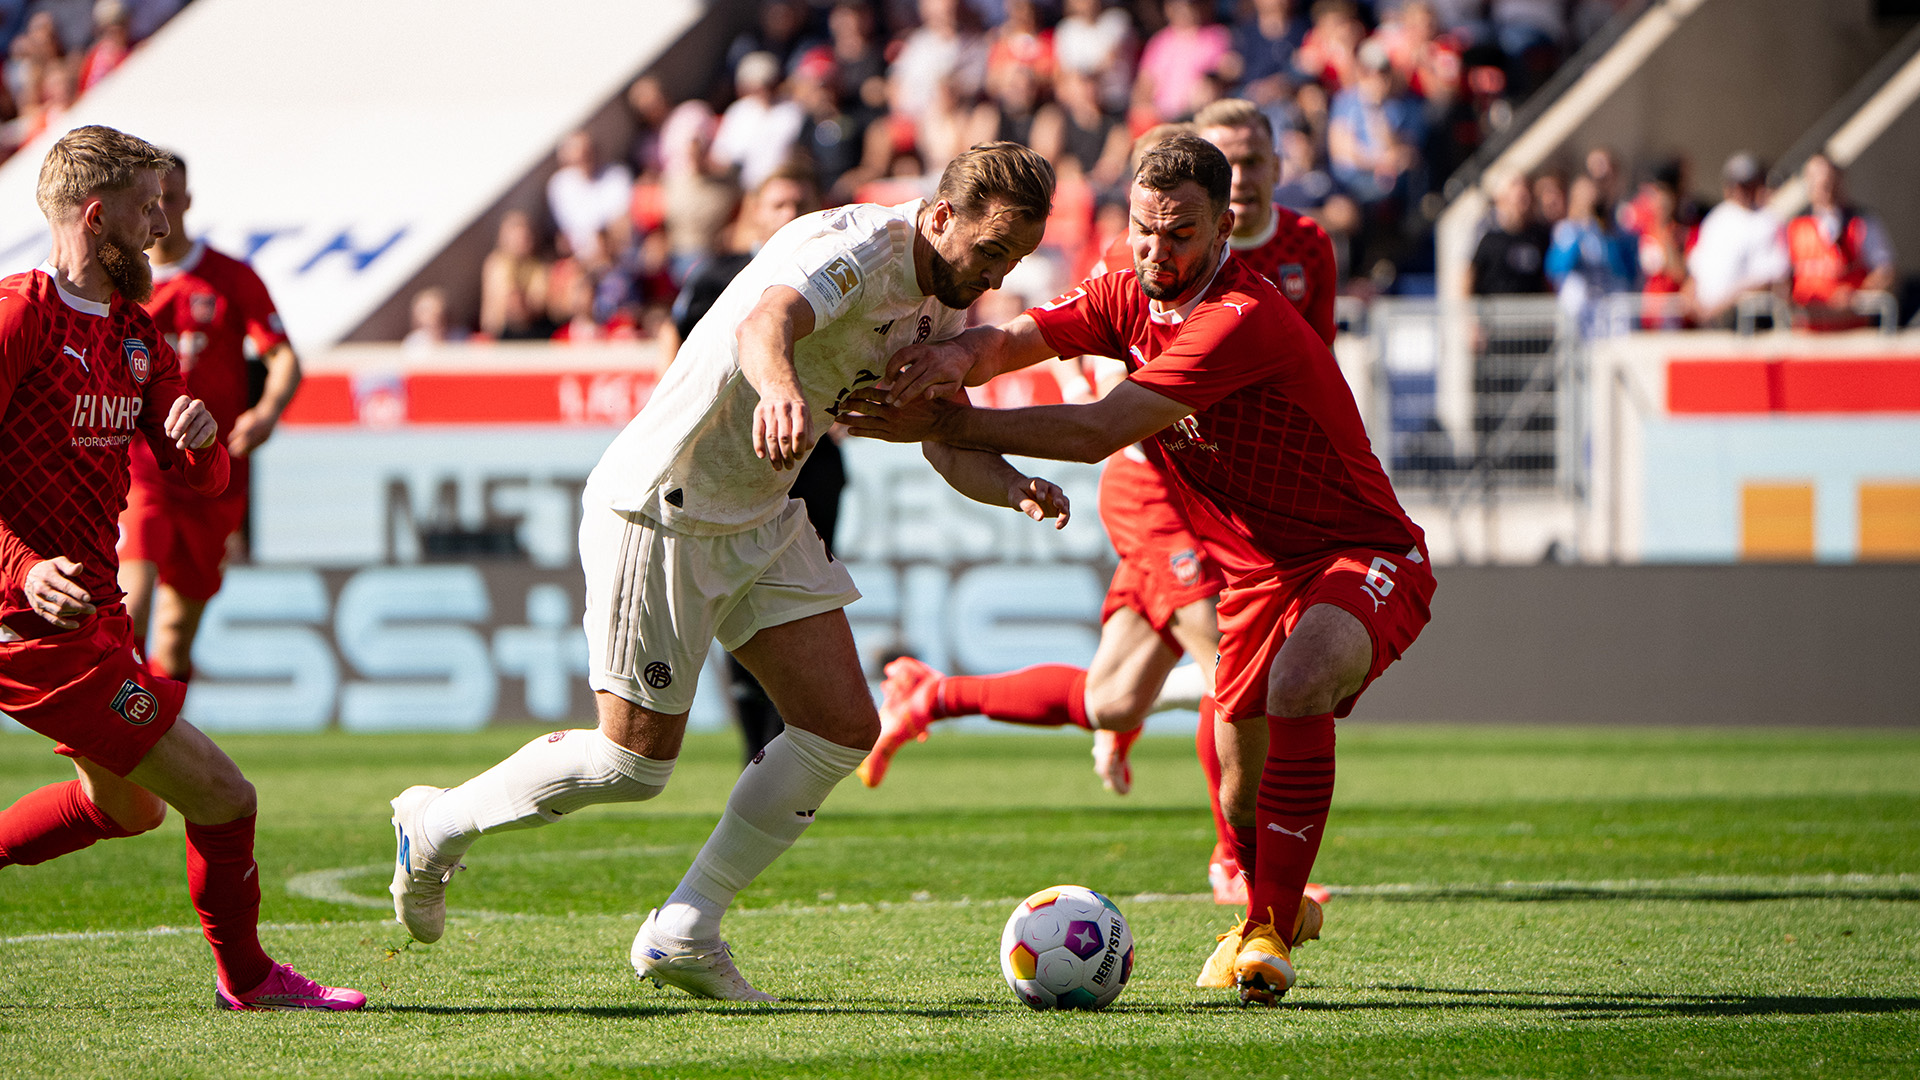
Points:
[(1266, 234), (72, 299), (1166, 316), (187, 264)]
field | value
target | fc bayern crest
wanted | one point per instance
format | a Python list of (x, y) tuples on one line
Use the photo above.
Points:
[(1293, 281), (139, 360)]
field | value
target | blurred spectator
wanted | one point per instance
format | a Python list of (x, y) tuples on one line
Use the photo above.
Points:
[(1177, 61), (30, 53), (1512, 257), (1426, 60), (150, 15), (1330, 53), (1011, 109), (72, 20), (832, 136), (779, 33), (757, 132), (1373, 132), (1836, 250), (111, 43), (1075, 128), (944, 52), (513, 284), (1589, 258), (648, 103), (585, 195), (1530, 33), (1664, 282), (699, 194), (1020, 46), (786, 194), (856, 50), (1550, 197), (430, 321), (1742, 248), (1265, 38), (1097, 42), (1610, 184)]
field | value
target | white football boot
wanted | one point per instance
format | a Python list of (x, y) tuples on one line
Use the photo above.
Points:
[(704, 969), (419, 878)]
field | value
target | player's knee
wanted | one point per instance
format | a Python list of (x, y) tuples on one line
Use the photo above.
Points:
[(1302, 692), (229, 797), (142, 813), (1123, 711)]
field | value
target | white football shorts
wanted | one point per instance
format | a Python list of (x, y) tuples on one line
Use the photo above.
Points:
[(657, 599)]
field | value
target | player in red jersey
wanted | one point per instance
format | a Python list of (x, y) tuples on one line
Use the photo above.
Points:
[(83, 372), (211, 307), (1328, 580), (1161, 600)]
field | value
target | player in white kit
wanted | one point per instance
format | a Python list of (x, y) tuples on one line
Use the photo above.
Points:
[(688, 535)]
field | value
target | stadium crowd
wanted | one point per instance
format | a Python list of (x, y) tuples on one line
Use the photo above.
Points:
[(1373, 105), (57, 50)]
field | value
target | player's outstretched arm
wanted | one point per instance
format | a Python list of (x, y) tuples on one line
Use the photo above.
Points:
[(943, 368), (782, 423), (251, 428), (990, 479), (1088, 432)]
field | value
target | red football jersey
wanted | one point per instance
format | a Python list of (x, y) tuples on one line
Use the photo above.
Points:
[(1274, 464), (210, 306), (77, 380)]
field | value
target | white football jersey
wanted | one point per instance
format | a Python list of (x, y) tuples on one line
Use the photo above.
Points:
[(687, 460)]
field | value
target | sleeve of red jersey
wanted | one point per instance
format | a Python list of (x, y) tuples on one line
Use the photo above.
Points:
[(1223, 347), (1082, 321), (206, 470), (1322, 279), (19, 343), (257, 313)]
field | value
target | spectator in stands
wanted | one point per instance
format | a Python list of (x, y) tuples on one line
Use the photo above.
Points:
[(699, 194), (832, 136), (1426, 60), (1589, 259), (1742, 248), (648, 103), (1665, 284), (1373, 132), (1530, 33), (30, 53), (112, 41), (758, 131), (1329, 55), (1610, 183), (1020, 45), (857, 54), (150, 15), (944, 52), (1550, 197), (1098, 42), (1176, 62), (431, 324), (1837, 251), (1265, 39), (584, 194), (780, 33), (513, 284), (1074, 131), (1512, 257)]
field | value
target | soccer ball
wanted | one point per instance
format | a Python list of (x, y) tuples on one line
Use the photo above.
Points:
[(1066, 947)]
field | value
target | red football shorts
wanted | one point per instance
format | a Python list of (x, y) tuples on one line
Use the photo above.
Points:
[(1389, 592), (186, 540), (1163, 567), (87, 689)]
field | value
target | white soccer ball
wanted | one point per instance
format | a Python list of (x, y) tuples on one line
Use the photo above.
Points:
[(1066, 947)]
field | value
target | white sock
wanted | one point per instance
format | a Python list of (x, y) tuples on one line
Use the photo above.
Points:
[(1184, 688), (772, 803), (551, 776)]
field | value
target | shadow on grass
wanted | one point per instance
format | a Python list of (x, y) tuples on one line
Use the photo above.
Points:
[(649, 1012), (1529, 893), (1575, 1005)]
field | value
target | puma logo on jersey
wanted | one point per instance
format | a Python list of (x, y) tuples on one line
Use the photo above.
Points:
[(1238, 309), (1300, 835), (80, 356)]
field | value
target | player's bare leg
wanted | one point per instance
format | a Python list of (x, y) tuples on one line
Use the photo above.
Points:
[(811, 670), (1324, 661), (133, 807), (137, 579), (176, 619), (628, 757), (1129, 665)]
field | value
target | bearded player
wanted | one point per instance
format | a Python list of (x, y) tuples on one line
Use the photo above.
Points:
[(1253, 425), (83, 373), (174, 540), (1160, 603), (689, 535)]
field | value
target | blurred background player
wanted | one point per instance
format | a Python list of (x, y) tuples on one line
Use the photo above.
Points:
[(1328, 580), (1161, 600), (83, 373), (174, 541), (788, 192), (691, 536)]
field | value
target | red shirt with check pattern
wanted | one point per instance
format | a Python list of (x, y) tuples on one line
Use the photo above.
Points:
[(209, 306), (78, 381), (1274, 465)]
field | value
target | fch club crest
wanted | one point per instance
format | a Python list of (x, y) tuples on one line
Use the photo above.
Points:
[(139, 360)]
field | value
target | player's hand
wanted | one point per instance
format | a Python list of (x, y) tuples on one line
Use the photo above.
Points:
[(54, 595), (930, 370), (868, 413), (190, 425), (782, 431), (1040, 499), (250, 429)]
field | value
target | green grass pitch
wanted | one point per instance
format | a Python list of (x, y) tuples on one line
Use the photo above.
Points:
[(1510, 903)]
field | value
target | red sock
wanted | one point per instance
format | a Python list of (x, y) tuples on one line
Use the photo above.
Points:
[(1046, 695), (1245, 841), (1208, 749), (224, 884), (1296, 788), (51, 822)]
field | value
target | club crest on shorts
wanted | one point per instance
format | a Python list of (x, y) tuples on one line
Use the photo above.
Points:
[(658, 675), (139, 360), (1185, 566), (136, 704), (1293, 281)]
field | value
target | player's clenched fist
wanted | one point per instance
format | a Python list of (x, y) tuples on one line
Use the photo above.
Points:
[(782, 431), (1040, 499), (190, 425), (54, 595)]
